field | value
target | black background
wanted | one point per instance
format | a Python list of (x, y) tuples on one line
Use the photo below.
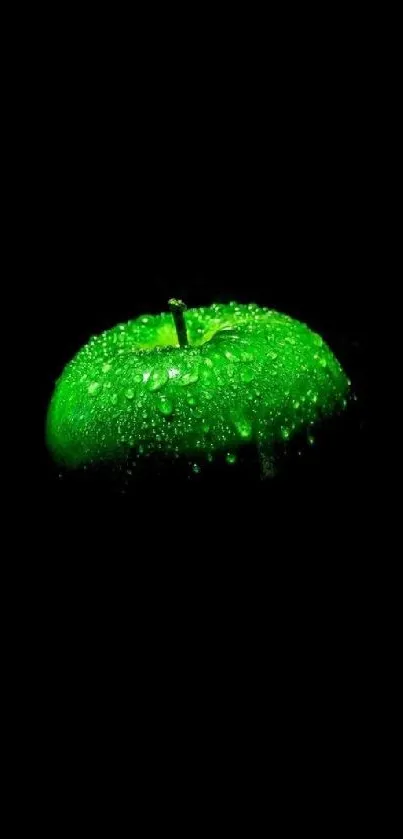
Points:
[(242, 171)]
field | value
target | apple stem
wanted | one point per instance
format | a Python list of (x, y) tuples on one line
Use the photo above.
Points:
[(177, 308)]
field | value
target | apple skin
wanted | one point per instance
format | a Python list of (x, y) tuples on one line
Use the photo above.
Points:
[(248, 376)]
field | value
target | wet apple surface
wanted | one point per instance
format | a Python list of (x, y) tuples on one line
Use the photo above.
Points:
[(247, 375)]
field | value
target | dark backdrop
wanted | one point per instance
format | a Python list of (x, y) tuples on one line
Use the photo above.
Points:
[(255, 186)]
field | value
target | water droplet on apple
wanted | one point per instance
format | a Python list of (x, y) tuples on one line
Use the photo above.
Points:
[(231, 458), (244, 428), (157, 379), (247, 375), (189, 378), (129, 393), (114, 398), (165, 406), (93, 387)]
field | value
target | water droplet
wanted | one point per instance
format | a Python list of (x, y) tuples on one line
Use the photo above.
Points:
[(247, 375), (244, 428), (196, 469), (189, 378), (93, 387), (165, 406), (106, 367), (209, 362), (146, 376), (158, 379), (323, 362), (208, 395), (296, 405), (231, 458), (285, 432), (191, 400), (173, 372), (129, 393), (273, 355), (114, 398)]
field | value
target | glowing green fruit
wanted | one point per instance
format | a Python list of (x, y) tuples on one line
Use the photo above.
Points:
[(246, 376)]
